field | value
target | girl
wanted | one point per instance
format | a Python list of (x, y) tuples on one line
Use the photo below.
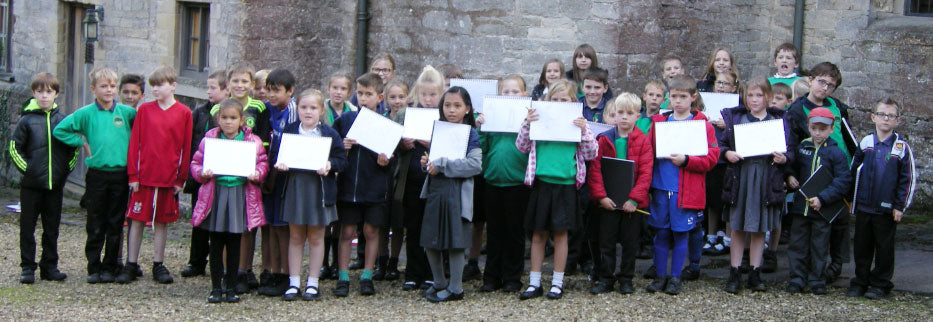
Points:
[(554, 203), (338, 89), (584, 57), (449, 193), (720, 61), (717, 242), (754, 187), (384, 66), (395, 94), (227, 205), (309, 196), (550, 73)]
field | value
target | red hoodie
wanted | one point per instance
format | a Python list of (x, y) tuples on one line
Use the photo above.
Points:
[(693, 172), (160, 145), (639, 150)]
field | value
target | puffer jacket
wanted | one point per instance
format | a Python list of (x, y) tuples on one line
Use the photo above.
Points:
[(44, 161), (254, 211), (638, 150), (693, 172)]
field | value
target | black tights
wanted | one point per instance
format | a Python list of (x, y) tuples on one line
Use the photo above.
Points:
[(219, 240)]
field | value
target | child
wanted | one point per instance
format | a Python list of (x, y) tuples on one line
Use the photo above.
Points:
[(595, 85), (552, 71), (786, 62), (132, 89), (449, 206), (45, 163), (361, 200), (810, 234), (338, 89), (783, 95), (720, 61), (384, 66), (505, 200), (754, 193), (671, 66), (105, 125), (259, 89), (273, 281), (884, 188), (227, 205), (584, 58), (450, 72), (201, 122), (677, 184), (654, 94), (157, 164), (717, 242), (395, 94), (554, 203), (800, 87), (620, 223), (309, 196)]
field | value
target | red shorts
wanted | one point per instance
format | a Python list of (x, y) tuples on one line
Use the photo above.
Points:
[(148, 200)]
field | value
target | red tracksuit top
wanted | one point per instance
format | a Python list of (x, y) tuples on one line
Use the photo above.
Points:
[(160, 145)]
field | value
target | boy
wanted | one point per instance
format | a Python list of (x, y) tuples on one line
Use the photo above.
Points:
[(671, 66), (105, 124), (884, 188), (618, 219), (157, 165), (810, 232), (132, 89), (45, 163), (654, 94), (595, 83), (782, 96), (361, 201), (273, 281), (786, 62), (201, 122)]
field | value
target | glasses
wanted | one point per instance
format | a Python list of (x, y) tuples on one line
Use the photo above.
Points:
[(381, 70), (724, 83), (886, 116), (825, 84)]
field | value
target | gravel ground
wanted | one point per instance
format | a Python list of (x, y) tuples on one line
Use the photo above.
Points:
[(186, 298)]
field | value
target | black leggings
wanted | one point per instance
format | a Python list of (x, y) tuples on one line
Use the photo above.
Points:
[(218, 241)]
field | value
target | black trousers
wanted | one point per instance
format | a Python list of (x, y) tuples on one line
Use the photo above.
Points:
[(219, 241), (107, 193), (417, 268), (618, 227), (874, 241), (200, 240), (505, 235), (36, 204), (583, 242), (808, 250), (839, 241)]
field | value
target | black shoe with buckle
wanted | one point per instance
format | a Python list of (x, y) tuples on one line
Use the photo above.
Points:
[(555, 295), (531, 292), (311, 296), (451, 296), (290, 296)]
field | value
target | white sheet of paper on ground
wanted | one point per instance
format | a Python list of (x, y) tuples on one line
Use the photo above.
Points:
[(714, 103), (760, 138), (375, 132), (504, 113), (478, 89), (449, 140), (680, 137), (555, 121), (598, 128), (304, 152), (230, 157), (419, 122)]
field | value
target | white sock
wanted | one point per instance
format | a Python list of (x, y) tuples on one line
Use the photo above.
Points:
[(293, 281), (727, 241), (534, 280), (711, 239), (557, 282), (721, 233), (312, 281)]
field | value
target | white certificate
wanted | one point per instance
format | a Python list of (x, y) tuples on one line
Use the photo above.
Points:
[(714, 103), (449, 140), (419, 122), (375, 132), (478, 89), (598, 128), (759, 138), (230, 157), (504, 113), (555, 121), (680, 137), (304, 152)]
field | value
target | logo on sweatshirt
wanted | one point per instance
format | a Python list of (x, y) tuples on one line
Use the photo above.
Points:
[(118, 121)]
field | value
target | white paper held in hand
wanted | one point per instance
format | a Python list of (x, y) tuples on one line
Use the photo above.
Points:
[(504, 113), (478, 90), (680, 137), (714, 103), (759, 138), (555, 121), (230, 157), (375, 132), (599, 128), (304, 152), (419, 122), (449, 140)]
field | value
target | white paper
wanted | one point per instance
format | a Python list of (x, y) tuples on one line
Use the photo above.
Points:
[(304, 152), (759, 138), (478, 89), (230, 157), (555, 121), (449, 140), (375, 132), (714, 103), (504, 113), (598, 128), (419, 122), (680, 137)]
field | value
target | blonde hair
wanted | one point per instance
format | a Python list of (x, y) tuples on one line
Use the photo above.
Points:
[(99, 73), (625, 102), (515, 77), (395, 83), (261, 76), (429, 76), (311, 92), (562, 86), (656, 84), (799, 87)]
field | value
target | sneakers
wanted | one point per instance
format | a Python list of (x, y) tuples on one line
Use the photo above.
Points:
[(161, 275), (717, 246), (28, 276), (127, 274), (754, 281), (690, 274), (875, 293), (52, 274), (409, 286), (471, 271), (659, 284), (192, 271), (769, 261), (734, 283), (673, 286), (367, 288)]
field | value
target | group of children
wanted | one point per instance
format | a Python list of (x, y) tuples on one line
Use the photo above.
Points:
[(141, 156)]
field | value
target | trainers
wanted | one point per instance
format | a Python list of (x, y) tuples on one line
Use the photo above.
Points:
[(342, 289), (127, 274), (192, 271), (106, 277), (471, 271), (367, 288), (855, 291), (708, 246), (28, 276), (769, 261), (690, 274), (161, 275), (875, 293), (673, 286), (659, 283), (651, 273)]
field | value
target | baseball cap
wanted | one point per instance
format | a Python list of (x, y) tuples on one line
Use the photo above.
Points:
[(821, 115)]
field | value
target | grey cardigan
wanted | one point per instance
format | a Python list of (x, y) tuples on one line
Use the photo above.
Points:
[(465, 168)]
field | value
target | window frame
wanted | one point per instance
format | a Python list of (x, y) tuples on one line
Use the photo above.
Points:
[(909, 4), (188, 10), (6, 41)]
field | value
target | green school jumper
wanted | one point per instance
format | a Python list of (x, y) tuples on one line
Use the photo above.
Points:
[(556, 162), (107, 133)]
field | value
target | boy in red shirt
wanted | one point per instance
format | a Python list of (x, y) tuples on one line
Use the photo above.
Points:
[(157, 165)]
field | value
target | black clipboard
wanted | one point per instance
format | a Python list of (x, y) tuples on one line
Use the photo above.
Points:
[(819, 181), (618, 178)]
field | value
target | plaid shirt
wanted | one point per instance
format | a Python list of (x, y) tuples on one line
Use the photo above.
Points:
[(586, 150)]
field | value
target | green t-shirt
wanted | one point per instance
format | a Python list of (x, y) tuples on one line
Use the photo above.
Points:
[(556, 162), (787, 81), (621, 148), (644, 124), (231, 181), (837, 126), (107, 133), (503, 164)]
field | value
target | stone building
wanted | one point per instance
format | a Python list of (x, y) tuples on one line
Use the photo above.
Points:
[(882, 47)]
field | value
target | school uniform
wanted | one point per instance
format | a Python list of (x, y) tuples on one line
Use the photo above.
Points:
[(505, 201), (569, 75), (594, 113), (885, 180), (449, 200), (363, 187), (279, 120), (786, 80), (331, 115), (255, 117), (201, 122)]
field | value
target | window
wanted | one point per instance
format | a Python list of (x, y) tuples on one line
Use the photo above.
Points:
[(194, 37), (918, 8), (6, 28)]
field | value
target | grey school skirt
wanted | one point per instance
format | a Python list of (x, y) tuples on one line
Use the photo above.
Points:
[(228, 214), (304, 200)]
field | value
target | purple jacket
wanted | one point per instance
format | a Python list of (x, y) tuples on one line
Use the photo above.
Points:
[(254, 212), (774, 191)]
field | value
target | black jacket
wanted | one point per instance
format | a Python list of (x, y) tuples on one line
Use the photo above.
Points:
[(797, 121), (364, 180), (808, 157), (897, 186), (337, 158), (201, 122), (774, 191), (44, 161)]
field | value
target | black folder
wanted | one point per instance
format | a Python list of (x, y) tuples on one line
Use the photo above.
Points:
[(618, 178), (819, 181)]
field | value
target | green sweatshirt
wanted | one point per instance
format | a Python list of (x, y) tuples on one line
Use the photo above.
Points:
[(504, 164), (107, 133)]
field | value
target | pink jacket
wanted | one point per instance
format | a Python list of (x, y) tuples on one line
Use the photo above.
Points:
[(586, 150), (254, 212)]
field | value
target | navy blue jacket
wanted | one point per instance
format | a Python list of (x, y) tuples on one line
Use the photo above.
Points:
[(798, 119), (829, 155), (896, 189), (338, 162), (364, 181), (774, 192)]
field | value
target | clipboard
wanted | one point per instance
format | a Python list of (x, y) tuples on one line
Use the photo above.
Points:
[(449, 140), (618, 178), (230, 157), (819, 181)]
